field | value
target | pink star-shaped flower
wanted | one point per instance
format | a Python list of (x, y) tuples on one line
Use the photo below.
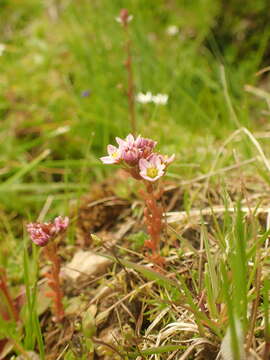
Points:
[(151, 169), (114, 156)]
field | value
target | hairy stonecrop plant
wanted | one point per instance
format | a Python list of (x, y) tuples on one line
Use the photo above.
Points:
[(137, 157), (44, 234)]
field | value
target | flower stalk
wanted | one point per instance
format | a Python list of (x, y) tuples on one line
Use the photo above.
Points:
[(53, 277), (153, 215), (124, 19)]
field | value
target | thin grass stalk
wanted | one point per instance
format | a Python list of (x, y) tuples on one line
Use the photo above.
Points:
[(227, 96), (212, 305), (266, 289), (255, 306), (29, 341), (32, 326), (226, 218), (201, 262), (211, 265), (239, 267), (257, 244), (231, 312), (193, 306)]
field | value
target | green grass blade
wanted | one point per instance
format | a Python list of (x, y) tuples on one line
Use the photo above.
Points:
[(19, 174)]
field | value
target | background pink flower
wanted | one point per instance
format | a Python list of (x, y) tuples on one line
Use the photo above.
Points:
[(60, 223), (42, 233)]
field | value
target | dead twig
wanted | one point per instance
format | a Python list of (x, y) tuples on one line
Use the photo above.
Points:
[(176, 216)]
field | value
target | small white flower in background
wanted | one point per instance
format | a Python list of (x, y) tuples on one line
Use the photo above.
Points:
[(124, 17), (172, 30), (158, 99), (144, 98), (2, 49), (120, 21)]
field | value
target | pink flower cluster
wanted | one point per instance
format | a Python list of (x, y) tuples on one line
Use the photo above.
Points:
[(42, 233), (138, 155)]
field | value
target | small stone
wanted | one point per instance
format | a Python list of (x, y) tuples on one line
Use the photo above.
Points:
[(30, 355), (84, 264)]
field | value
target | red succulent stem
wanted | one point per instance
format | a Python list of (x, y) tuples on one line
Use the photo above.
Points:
[(54, 280), (153, 214), (4, 289)]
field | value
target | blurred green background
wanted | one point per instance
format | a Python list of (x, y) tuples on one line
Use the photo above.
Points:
[(55, 52)]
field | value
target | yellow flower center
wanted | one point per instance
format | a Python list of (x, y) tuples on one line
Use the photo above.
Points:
[(115, 154), (152, 172)]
